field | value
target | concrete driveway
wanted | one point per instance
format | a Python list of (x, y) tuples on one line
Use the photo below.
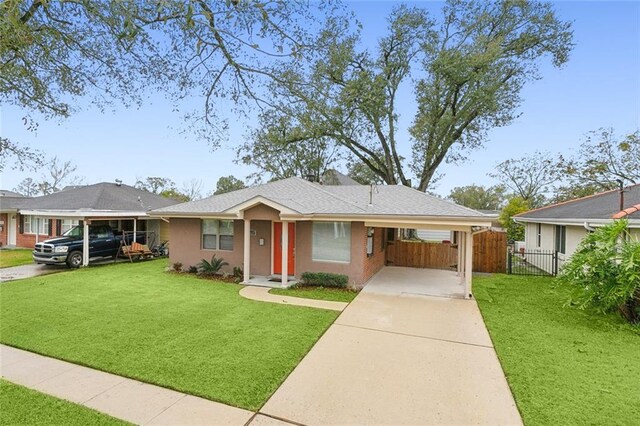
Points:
[(28, 271), (399, 359)]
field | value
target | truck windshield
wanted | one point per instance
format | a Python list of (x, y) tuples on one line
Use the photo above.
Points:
[(76, 231)]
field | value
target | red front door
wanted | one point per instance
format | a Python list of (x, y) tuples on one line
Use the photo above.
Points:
[(277, 248)]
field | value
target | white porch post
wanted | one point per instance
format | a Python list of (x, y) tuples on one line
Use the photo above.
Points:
[(468, 275), (461, 252), (85, 243), (247, 251), (285, 253), (135, 229), (37, 230), (459, 241)]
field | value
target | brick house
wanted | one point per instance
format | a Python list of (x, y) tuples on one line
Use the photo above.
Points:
[(285, 228), (27, 220)]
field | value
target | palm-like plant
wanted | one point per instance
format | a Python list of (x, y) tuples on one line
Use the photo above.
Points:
[(211, 268)]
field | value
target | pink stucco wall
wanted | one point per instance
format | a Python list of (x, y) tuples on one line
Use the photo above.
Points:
[(186, 247)]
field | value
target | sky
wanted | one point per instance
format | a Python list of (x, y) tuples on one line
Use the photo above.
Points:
[(598, 87)]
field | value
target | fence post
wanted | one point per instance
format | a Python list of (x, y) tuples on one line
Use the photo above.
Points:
[(555, 263), (509, 261)]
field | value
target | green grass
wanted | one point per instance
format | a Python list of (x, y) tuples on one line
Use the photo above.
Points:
[(564, 366), (196, 336), (319, 293), (15, 257), (22, 406)]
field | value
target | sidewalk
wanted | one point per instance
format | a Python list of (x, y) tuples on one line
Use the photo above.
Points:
[(123, 398)]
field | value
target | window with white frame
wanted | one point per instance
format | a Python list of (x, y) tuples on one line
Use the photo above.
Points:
[(561, 239), (217, 234), (32, 223), (539, 235), (66, 224), (331, 242)]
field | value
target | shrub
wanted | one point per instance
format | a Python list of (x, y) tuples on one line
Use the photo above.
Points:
[(192, 270), (211, 268), (238, 274), (324, 279), (605, 272), (177, 266)]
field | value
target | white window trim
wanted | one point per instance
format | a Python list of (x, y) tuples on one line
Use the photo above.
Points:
[(33, 222), (217, 235), (313, 254)]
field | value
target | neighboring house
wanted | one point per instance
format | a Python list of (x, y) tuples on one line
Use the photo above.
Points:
[(292, 226), (561, 227), (26, 221)]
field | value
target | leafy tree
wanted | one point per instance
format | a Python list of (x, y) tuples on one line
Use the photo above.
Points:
[(605, 272), (515, 205), (469, 72), (361, 173), (54, 52), (27, 187), (228, 184), (602, 159), (156, 184), (58, 175), (275, 149), (530, 177), (175, 194), (479, 197)]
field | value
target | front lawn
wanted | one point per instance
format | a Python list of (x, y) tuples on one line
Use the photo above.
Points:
[(318, 293), (564, 366), (178, 331), (22, 406), (15, 257)]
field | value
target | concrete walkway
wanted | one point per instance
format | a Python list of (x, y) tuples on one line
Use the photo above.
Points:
[(262, 294), (126, 399), (399, 359), (28, 271)]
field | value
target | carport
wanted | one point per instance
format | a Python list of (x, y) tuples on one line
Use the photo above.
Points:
[(105, 202), (434, 282), (86, 218), (402, 280)]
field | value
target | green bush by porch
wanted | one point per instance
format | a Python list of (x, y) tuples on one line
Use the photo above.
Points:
[(325, 279), (177, 331), (564, 365)]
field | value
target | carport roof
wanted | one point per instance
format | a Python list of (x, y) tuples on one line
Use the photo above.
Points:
[(103, 197), (307, 198)]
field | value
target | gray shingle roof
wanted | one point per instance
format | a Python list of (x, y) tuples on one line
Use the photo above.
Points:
[(309, 198), (599, 206), (6, 193), (99, 196)]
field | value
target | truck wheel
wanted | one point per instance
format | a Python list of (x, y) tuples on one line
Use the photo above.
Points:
[(74, 260)]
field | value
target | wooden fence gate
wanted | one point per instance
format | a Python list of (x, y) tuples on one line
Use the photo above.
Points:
[(489, 253)]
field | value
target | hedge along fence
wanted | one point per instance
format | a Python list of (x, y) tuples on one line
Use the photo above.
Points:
[(324, 279)]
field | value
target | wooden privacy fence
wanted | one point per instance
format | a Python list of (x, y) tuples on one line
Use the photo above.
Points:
[(417, 254), (489, 253)]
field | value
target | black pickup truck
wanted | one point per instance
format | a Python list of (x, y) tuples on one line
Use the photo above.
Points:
[(103, 242)]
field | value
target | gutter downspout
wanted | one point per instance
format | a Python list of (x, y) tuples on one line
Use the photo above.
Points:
[(588, 227)]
